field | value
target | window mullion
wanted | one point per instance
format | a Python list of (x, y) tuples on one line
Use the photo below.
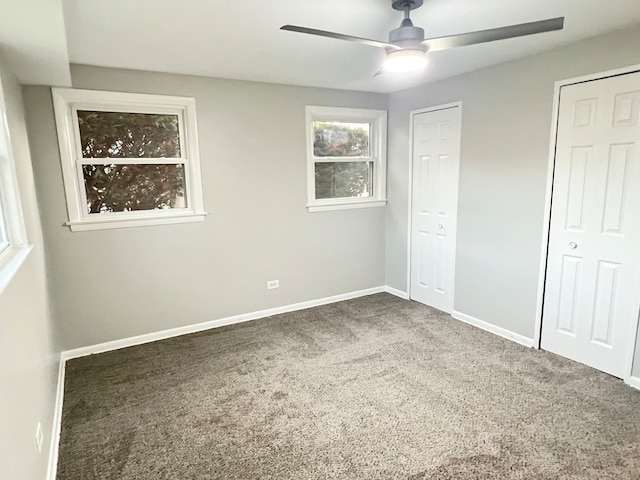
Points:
[(132, 161), (342, 159)]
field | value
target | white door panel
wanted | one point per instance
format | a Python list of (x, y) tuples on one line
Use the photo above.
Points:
[(592, 289), (435, 156)]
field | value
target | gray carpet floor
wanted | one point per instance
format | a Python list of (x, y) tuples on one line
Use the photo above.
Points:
[(371, 388)]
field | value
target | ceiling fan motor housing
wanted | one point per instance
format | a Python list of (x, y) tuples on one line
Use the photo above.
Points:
[(403, 5), (406, 34)]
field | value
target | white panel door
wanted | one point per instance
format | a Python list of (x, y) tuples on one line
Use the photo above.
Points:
[(592, 289), (436, 164)]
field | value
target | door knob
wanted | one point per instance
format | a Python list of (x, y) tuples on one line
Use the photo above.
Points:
[(573, 245), (440, 226)]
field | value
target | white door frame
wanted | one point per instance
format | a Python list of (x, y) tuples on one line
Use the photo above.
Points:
[(547, 203), (412, 115)]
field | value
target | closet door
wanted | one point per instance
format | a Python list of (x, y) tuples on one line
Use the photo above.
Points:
[(436, 163), (592, 290)]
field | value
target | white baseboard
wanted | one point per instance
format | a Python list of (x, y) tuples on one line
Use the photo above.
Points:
[(502, 332), (633, 382), (52, 468), (245, 317), (396, 292)]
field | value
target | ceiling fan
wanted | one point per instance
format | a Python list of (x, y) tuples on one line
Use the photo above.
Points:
[(407, 48)]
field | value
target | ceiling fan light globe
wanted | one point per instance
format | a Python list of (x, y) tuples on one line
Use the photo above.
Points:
[(405, 61)]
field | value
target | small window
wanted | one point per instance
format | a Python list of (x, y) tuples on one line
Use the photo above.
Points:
[(128, 159), (346, 150)]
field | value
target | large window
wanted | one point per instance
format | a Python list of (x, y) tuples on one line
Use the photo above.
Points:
[(13, 239), (128, 159), (346, 158)]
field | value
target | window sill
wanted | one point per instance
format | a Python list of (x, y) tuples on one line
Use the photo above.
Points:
[(345, 206), (120, 222), (10, 263)]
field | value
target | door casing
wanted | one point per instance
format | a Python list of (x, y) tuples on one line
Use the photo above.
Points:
[(547, 207)]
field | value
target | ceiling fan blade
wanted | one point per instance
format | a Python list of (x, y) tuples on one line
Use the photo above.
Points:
[(339, 36), (493, 34)]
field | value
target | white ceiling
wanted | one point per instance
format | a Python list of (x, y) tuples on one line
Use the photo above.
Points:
[(32, 41), (242, 40)]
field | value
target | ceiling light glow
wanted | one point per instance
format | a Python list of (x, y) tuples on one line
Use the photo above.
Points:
[(405, 61)]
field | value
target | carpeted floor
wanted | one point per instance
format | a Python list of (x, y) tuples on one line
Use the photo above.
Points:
[(371, 388)]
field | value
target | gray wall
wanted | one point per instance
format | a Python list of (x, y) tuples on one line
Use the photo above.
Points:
[(113, 284), (506, 120), (28, 359)]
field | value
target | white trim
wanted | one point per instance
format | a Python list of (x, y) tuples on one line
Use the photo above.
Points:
[(547, 216), (412, 114), (346, 206), (600, 75), (396, 292), (68, 101), (548, 199), (54, 445), (633, 382), (11, 260), (103, 223), (502, 332), (245, 317)]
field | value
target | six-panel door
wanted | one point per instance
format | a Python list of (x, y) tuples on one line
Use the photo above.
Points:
[(436, 146), (592, 290)]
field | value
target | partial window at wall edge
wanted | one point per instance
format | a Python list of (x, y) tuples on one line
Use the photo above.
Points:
[(13, 238)]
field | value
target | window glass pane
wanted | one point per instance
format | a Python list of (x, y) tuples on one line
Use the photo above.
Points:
[(128, 135), (339, 139), (123, 188), (343, 179)]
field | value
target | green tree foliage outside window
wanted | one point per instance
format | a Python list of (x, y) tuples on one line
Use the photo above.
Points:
[(120, 187), (342, 179), (124, 188), (339, 139)]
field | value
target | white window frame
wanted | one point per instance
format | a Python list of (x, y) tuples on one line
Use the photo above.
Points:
[(377, 154), (66, 104), (14, 248), (4, 232)]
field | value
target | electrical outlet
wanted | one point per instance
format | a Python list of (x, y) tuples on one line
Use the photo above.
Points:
[(39, 437), (271, 284)]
